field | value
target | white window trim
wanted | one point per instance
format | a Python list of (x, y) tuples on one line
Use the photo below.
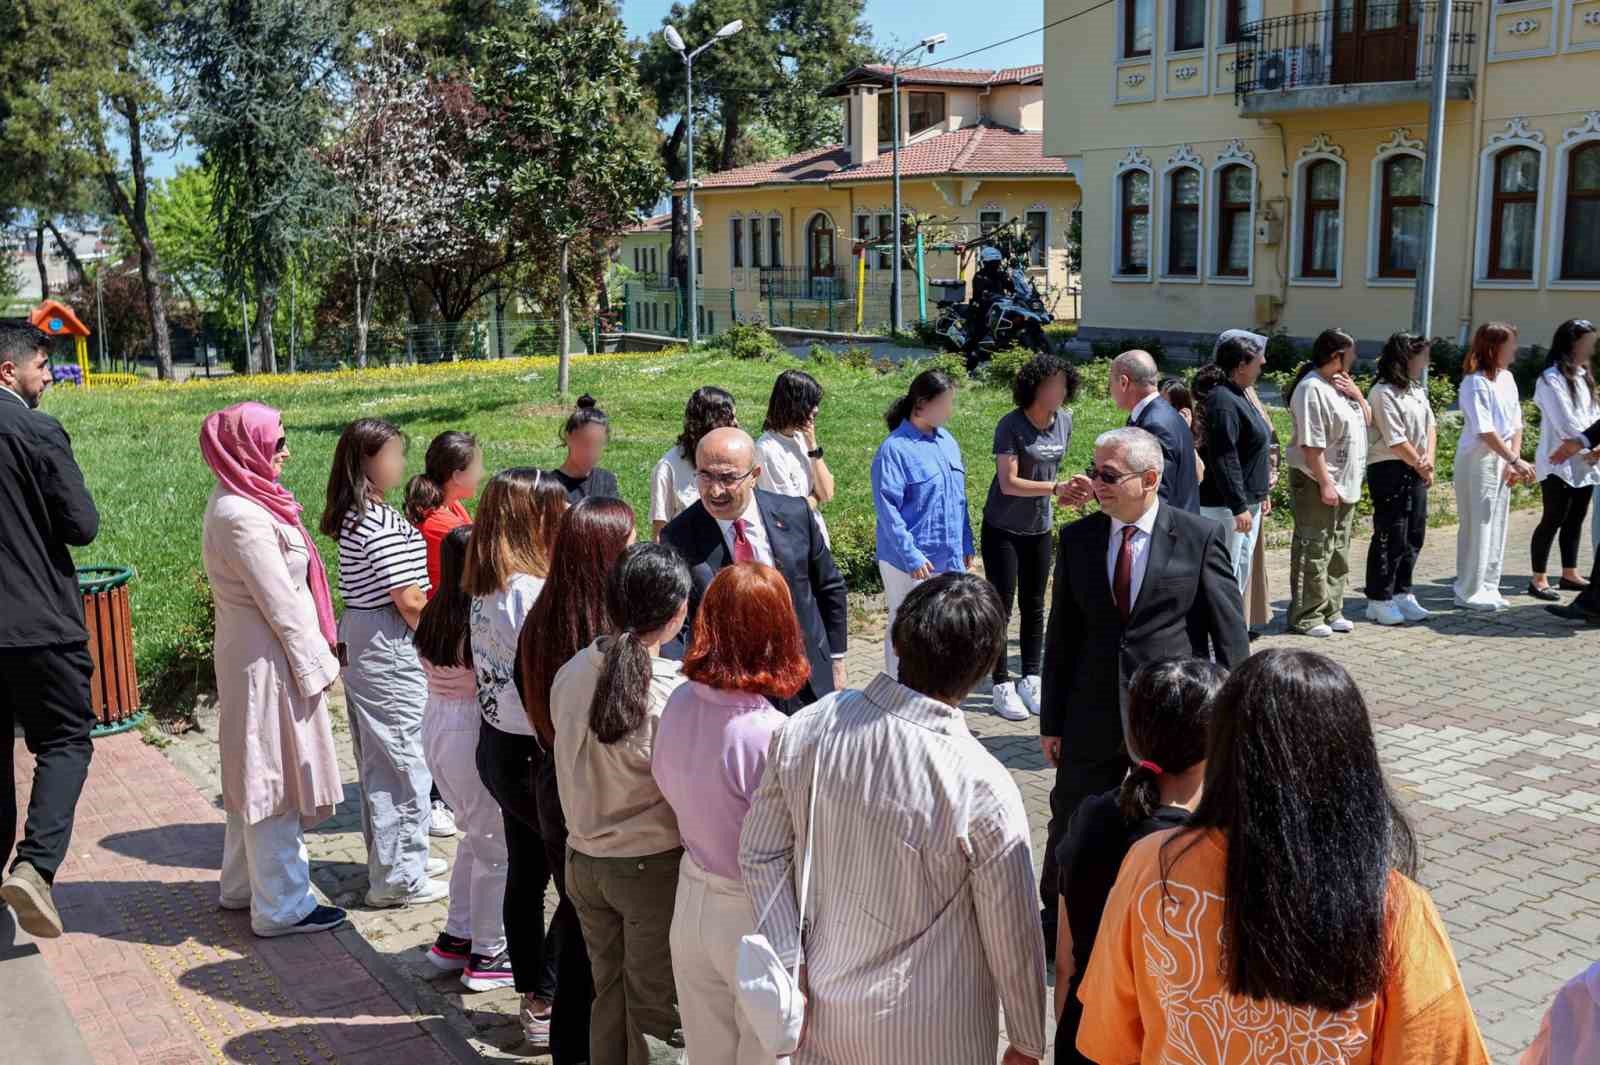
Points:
[(1122, 36), (755, 233), (1252, 13), (1134, 160), (736, 239), (1170, 12), (1319, 150), (1234, 153), (805, 236), (1517, 134), (1182, 159), (1401, 143), (1039, 208), (1584, 133)]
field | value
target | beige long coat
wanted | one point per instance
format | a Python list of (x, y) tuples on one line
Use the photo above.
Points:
[(273, 667)]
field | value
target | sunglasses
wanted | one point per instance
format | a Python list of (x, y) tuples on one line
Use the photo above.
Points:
[(1107, 476)]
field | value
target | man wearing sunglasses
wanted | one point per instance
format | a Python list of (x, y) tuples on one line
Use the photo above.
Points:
[(45, 509), (1139, 581)]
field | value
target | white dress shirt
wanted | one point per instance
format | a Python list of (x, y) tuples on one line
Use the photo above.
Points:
[(754, 531), (1141, 551), (1138, 408)]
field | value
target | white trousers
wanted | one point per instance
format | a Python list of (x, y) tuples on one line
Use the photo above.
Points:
[(478, 881), (1483, 507), (897, 584), (265, 867), (709, 916)]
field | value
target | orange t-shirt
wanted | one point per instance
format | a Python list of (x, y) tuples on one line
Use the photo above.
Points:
[(1155, 992), (434, 528)]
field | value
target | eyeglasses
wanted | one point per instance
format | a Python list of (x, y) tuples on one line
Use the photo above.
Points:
[(726, 481), (281, 446), (1107, 476)]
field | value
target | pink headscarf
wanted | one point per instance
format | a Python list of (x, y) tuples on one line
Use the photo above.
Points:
[(238, 444)]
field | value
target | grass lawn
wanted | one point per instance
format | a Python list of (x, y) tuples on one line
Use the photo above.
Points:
[(138, 448)]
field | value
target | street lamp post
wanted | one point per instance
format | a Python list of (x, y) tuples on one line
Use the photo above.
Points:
[(929, 42), (675, 41)]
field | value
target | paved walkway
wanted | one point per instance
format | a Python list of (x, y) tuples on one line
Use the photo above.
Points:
[(1488, 725)]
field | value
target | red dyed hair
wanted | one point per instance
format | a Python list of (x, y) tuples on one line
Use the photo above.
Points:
[(1485, 344), (746, 636)]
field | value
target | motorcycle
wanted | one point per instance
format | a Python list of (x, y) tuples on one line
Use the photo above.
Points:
[(1009, 313)]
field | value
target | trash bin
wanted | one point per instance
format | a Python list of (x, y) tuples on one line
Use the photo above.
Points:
[(114, 691)]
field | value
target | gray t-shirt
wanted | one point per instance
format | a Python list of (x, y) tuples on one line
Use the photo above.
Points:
[(1039, 453)]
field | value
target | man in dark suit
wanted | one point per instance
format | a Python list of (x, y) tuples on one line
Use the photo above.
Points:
[(1135, 388), (1137, 582), (1586, 607), (45, 508), (736, 522)]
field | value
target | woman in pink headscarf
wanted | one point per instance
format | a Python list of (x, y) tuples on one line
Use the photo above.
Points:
[(275, 663)]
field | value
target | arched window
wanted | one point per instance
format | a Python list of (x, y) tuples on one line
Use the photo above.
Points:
[(1400, 216), (1319, 237), (1235, 198), (1134, 205), (1580, 238), (1513, 214), (819, 245), (1183, 222)]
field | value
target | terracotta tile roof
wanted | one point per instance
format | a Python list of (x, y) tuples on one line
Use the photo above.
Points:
[(659, 223), (975, 150), (957, 75)]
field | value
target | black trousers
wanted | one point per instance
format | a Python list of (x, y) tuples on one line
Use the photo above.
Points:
[(1399, 527), (1076, 780), (1565, 507), (506, 765), (1019, 568), (46, 691), (569, 1020)]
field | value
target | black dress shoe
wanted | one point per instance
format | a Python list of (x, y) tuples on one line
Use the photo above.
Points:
[(1570, 585), (1574, 612), (1547, 593)]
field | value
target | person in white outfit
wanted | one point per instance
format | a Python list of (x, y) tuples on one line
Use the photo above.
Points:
[(1488, 462), (473, 942), (791, 459), (673, 488), (1565, 396)]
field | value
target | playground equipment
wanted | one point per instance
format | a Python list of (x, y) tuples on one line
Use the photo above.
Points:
[(57, 320)]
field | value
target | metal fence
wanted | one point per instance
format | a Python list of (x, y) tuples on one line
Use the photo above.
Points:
[(662, 309)]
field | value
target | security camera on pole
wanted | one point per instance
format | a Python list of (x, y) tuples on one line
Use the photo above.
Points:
[(675, 41), (929, 43)]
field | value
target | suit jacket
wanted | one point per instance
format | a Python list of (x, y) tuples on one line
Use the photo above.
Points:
[(1189, 603), (1180, 482), (799, 553)]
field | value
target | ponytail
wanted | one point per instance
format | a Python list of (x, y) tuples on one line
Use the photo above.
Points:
[(1141, 792), (423, 496), (925, 387), (644, 591), (448, 454), (1169, 714)]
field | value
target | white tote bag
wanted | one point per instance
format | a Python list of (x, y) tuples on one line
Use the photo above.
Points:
[(769, 990)]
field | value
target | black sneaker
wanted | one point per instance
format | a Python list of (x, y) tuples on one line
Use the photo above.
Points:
[(321, 919), (449, 953), (486, 974)]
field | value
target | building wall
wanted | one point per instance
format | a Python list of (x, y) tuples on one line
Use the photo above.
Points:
[(1536, 83)]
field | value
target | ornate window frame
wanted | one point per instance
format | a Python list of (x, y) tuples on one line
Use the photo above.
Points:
[(1321, 149), (1517, 134), (1134, 160), (1233, 154), (1400, 142), (1583, 134), (1183, 158)]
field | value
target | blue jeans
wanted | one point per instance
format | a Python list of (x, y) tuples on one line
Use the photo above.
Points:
[(1241, 547)]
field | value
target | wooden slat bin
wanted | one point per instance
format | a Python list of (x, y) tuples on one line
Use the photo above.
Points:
[(114, 691)]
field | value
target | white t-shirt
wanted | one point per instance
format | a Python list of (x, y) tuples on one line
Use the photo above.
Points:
[(1325, 418), (672, 486), (786, 468), (1487, 405), (496, 623), (1561, 419)]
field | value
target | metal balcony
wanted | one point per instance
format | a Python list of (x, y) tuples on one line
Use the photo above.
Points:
[(1359, 53)]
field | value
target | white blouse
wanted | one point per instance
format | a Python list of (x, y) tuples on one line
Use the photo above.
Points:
[(1562, 419), (673, 489), (786, 469), (1487, 406)]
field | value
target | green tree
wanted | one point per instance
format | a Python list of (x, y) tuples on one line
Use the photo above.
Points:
[(553, 151)]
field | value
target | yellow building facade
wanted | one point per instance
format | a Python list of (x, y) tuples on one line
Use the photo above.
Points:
[(1258, 163)]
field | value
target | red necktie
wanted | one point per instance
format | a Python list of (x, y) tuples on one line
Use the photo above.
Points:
[(743, 550), (1122, 581)]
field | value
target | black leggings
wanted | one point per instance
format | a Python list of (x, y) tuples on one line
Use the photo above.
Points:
[(1399, 526), (506, 763), (1565, 507), (1019, 567)]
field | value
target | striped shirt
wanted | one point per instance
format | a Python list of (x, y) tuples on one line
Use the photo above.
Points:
[(378, 552), (923, 919)]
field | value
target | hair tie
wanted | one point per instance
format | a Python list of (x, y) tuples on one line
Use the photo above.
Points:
[(1145, 763)]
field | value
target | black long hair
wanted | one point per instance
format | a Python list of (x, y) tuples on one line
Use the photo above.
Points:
[(448, 454), (1568, 333), (925, 387), (1394, 364), (586, 412), (349, 490), (1169, 712), (795, 395), (708, 408), (643, 591), (1313, 833), (442, 635), (1329, 345), (1207, 380)]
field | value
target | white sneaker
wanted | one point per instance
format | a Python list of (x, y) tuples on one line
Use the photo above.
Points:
[(1342, 624), (1479, 604), (429, 890), (1384, 612), (1008, 704), (1410, 609), (1029, 687), (436, 867), (441, 823), (1319, 631)]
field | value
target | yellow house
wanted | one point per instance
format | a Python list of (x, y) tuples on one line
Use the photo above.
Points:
[(780, 237), (1259, 162), (650, 300)]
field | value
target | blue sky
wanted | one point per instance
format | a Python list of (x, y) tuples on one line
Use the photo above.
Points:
[(970, 23)]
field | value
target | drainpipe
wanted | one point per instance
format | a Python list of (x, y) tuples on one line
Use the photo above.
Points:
[(1474, 176), (1280, 255)]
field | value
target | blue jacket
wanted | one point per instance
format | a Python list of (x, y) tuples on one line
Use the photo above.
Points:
[(919, 490)]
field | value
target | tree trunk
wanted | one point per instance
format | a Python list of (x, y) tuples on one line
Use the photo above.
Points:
[(266, 311), (38, 260), (369, 285), (136, 214), (75, 272), (677, 253), (564, 333), (732, 129)]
